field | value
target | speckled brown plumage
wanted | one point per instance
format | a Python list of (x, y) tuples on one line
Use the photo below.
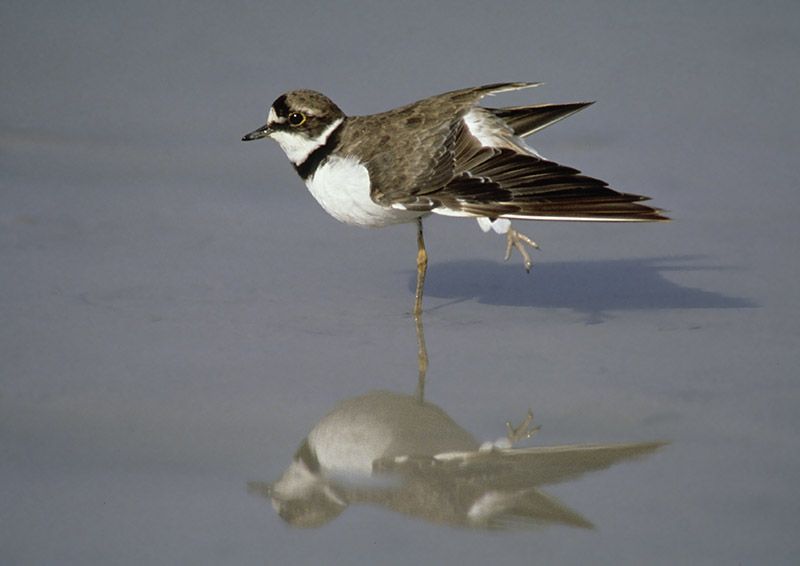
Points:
[(444, 155), (422, 156)]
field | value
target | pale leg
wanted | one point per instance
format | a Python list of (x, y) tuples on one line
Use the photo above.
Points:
[(518, 240), (422, 266)]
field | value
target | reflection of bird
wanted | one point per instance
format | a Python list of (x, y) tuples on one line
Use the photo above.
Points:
[(442, 155), (395, 451)]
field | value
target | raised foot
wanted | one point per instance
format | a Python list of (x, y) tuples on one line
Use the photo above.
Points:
[(522, 431), (518, 240)]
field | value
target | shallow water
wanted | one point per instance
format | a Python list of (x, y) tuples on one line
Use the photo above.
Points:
[(179, 314)]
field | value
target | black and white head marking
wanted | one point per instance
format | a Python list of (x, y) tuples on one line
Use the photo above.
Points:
[(303, 123)]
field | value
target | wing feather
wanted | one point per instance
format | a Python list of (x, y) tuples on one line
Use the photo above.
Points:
[(527, 120), (438, 163), (422, 158), (498, 182)]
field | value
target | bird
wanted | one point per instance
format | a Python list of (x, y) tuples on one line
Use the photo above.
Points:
[(443, 155), (407, 455)]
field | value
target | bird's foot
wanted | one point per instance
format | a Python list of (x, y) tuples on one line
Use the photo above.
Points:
[(518, 240), (522, 431)]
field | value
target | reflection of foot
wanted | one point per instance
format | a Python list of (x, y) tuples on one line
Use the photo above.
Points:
[(518, 240), (522, 431)]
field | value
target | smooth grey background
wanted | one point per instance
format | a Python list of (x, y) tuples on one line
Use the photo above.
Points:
[(177, 311)]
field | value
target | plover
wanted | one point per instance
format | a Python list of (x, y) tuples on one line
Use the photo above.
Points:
[(443, 155)]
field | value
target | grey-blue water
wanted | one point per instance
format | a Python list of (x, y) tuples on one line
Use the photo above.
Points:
[(178, 314)]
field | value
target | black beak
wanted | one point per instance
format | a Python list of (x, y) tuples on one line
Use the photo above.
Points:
[(259, 133)]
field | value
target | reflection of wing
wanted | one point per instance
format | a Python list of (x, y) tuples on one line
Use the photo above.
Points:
[(518, 468), (496, 489), (520, 509), (428, 490)]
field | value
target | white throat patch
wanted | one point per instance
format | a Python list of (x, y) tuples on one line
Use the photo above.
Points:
[(297, 147)]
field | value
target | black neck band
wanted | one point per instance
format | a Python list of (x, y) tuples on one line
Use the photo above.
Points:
[(306, 455), (309, 166)]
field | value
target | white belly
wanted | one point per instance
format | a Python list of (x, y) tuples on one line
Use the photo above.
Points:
[(341, 187)]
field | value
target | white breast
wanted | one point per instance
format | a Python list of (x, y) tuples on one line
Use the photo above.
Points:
[(341, 186)]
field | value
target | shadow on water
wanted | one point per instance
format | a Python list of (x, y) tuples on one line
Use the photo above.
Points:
[(592, 287), (405, 454)]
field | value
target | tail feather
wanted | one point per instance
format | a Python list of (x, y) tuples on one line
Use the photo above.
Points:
[(527, 120)]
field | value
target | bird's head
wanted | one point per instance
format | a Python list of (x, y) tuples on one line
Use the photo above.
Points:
[(300, 121)]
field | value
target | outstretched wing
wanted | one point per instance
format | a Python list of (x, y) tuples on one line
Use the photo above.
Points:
[(513, 184), (454, 158), (509, 182), (416, 153)]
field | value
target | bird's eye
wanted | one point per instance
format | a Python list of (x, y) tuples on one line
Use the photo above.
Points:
[(296, 118)]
